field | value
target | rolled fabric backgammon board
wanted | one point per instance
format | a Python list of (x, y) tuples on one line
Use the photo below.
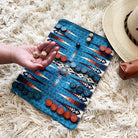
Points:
[(64, 88)]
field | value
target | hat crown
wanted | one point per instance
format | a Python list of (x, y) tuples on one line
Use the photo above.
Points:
[(132, 23)]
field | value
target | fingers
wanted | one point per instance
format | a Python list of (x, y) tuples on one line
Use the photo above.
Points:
[(47, 46), (49, 58), (42, 46), (56, 48)]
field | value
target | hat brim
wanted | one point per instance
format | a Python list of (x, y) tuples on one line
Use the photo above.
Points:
[(113, 25)]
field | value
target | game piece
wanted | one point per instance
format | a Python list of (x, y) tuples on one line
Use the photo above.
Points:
[(62, 84), (37, 96), (30, 95), (36, 54), (108, 51), (22, 87), (54, 107), (72, 85), (58, 56), (91, 73), (63, 59), (43, 54), (84, 70), (60, 110), (87, 93), (63, 29), (49, 102), (78, 45), (96, 78), (74, 118), (15, 84), (79, 89), (72, 64), (58, 26), (88, 40), (102, 48), (67, 114), (91, 35), (78, 68), (24, 92)]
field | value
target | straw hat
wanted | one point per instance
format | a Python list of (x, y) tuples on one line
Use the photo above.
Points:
[(120, 24)]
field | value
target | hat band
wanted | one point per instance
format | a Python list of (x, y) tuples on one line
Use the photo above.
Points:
[(127, 30)]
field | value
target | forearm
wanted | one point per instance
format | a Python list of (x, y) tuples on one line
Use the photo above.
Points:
[(6, 53)]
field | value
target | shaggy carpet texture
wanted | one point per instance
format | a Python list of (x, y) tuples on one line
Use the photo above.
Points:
[(113, 108)]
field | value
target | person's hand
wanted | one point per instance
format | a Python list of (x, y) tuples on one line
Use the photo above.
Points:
[(24, 55)]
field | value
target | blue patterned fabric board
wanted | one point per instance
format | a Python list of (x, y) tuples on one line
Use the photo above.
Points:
[(54, 82)]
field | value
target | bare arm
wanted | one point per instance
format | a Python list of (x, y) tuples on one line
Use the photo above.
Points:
[(6, 53), (23, 55)]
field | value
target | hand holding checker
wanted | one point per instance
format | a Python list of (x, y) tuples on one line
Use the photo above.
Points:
[(25, 55)]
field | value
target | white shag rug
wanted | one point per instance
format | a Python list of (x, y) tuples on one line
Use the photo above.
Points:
[(113, 109)]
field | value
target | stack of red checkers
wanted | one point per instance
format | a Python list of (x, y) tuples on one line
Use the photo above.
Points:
[(63, 58), (106, 50), (60, 111), (53, 106)]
